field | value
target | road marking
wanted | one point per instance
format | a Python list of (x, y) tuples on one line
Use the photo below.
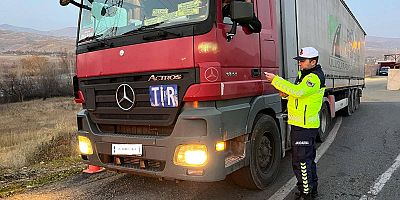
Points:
[(381, 181), (291, 184)]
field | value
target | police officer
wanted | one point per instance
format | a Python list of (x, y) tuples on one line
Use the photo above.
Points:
[(305, 98)]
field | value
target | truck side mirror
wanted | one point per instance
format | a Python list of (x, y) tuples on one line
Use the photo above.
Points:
[(241, 12), (67, 2), (64, 2)]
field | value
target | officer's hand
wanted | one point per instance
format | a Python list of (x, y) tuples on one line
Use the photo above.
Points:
[(269, 76)]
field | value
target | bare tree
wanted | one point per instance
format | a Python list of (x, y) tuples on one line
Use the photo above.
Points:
[(16, 88), (37, 77)]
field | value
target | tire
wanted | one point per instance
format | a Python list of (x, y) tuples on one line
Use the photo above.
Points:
[(357, 100), (353, 101), (348, 111), (265, 156), (325, 123)]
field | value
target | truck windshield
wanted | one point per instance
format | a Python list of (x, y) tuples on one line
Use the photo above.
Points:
[(109, 18)]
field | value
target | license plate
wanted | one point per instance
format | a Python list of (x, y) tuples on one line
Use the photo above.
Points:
[(126, 149), (164, 95)]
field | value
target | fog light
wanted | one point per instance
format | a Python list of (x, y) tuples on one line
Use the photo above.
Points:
[(195, 172), (193, 155), (85, 146), (220, 146)]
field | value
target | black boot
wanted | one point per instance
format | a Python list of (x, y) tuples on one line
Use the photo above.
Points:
[(314, 192), (304, 197)]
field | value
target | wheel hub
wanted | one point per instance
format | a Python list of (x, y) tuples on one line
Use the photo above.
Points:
[(264, 153)]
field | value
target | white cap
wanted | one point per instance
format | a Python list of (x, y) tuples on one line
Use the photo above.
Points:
[(306, 53)]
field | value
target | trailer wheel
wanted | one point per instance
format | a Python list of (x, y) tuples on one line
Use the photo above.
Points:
[(358, 100), (325, 123), (348, 111), (353, 98), (265, 156)]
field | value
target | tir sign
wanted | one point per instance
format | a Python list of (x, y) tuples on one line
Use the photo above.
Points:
[(164, 96)]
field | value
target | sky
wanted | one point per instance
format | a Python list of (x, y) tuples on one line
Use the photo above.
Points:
[(42, 15), (378, 18)]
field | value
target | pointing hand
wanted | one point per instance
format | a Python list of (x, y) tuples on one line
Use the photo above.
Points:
[(269, 76)]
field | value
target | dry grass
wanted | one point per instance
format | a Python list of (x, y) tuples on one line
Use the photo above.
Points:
[(15, 59), (36, 130), (11, 62)]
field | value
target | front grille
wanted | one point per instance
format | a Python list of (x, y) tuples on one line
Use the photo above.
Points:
[(114, 104), (133, 116), (133, 162), (103, 109), (136, 130)]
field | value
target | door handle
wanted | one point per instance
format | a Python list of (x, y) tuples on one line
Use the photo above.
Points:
[(256, 72)]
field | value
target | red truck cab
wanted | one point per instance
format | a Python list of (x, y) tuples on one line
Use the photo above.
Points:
[(165, 93)]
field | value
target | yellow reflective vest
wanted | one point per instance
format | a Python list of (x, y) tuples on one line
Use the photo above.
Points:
[(304, 100)]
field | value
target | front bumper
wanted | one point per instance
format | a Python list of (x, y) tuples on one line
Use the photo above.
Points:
[(199, 127), (383, 73)]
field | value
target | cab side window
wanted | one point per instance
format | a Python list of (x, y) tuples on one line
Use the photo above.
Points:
[(225, 12)]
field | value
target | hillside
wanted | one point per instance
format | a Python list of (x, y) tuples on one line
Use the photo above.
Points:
[(23, 41), (378, 46), (65, 32)]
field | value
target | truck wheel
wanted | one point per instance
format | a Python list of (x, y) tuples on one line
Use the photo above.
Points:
[(358, 100), (348, 111), (353, 98), (265, 156), (325, 123)]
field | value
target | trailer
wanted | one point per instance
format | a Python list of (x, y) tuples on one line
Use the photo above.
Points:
[(175, 90), (330, 27)]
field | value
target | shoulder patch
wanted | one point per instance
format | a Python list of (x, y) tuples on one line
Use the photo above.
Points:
[(309, 83)]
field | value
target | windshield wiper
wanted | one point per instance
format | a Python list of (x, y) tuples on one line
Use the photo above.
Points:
[(94, 37), (100, 43), (160, 33), (142, 28), (164, 32), (151, 26)]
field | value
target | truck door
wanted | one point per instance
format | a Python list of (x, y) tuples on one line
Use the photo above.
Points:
[(268, 39), (240, 56)]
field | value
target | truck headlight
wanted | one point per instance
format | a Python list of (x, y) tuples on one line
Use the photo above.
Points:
[(192, 155), (85, 146)]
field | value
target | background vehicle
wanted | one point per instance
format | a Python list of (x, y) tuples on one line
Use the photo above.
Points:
[(179, 94), (383, 71)]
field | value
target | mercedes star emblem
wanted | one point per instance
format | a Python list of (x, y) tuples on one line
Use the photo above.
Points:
[(125, 97), (211, 74)]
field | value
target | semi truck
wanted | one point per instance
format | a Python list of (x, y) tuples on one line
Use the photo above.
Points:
[(175, 90)]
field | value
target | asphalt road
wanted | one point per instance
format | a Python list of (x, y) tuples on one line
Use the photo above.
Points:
[(359, 164)]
